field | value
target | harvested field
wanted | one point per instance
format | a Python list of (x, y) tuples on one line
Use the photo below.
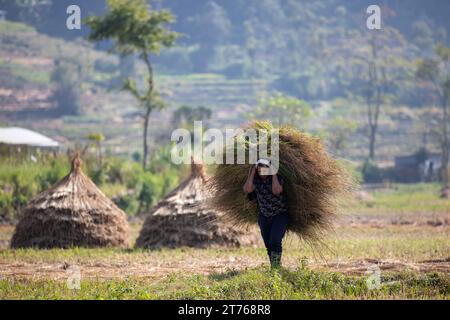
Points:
[(408, 249)]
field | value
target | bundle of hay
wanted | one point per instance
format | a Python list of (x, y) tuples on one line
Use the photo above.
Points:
[(184, 219), (74, 212), (313, 182)]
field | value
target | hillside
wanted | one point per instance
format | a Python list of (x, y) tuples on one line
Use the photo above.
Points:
[(310, 50), (27, 59)]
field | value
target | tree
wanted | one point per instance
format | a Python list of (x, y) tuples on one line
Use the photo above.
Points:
[(423, 35), (281, 110), (185, 116), (66, 79), (435, 74), (338, 132), (377, 87), (135, 29), (97, 139), (212, 28), (31, 11), (379, 67)]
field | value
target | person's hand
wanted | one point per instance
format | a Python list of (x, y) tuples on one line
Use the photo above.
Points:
[(273, 170)]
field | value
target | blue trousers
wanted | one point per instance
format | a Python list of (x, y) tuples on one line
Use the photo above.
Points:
[(273, 230)]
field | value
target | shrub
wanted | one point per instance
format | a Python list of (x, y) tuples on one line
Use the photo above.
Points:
[(371, 172)]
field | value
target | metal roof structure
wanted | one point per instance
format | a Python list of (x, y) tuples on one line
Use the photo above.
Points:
[(24, 137)]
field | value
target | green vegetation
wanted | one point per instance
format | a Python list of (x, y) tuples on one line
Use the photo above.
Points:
[(404, 243), (370, 95), (19, 183), (435, 73), (282, 110), (237, 273), (252, 284), (26, 74), (67, 93), (135, 30), (132, 188), (397, 199), (257, 49), (14, 27)]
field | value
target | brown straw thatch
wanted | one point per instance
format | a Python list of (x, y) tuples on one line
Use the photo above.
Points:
[(313, 182), (184, 219), (74, 212)]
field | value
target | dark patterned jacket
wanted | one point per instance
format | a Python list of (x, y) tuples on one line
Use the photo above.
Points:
[(269, 204)]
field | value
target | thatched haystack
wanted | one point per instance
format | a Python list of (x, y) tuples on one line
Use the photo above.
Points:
[(313, 183), (74, 212), (184, 219)]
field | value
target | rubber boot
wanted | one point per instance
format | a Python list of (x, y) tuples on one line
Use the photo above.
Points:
[(275, 260)]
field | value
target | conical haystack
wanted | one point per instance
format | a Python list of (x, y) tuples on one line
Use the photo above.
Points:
[(74, 212), (184, 218)]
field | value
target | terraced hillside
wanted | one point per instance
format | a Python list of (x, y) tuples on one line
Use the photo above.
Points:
[(27, 59)]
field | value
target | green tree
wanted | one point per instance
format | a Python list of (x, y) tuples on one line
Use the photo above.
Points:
[(185, 116), (378, 69), (136, 29), (422, 35), (211, 29), (339, 130), (32, 11), (66, 79), (97, 139), (281, 110), (434, 73)]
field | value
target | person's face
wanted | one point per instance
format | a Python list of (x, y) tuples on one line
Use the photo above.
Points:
[(263, 170)]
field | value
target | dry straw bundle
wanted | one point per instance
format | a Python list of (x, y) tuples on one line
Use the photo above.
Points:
[(313, 183), (74, 212), (184, 219)]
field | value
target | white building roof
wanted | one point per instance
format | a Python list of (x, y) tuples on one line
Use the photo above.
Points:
[(20, 136)]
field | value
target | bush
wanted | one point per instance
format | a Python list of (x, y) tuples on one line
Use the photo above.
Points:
[(66, 78), (52, 174), (127, 203), (371, 172), (131, 186), (99, 177), (6, 207)]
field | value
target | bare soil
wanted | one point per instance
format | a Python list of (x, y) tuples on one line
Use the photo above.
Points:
[(158, 269)]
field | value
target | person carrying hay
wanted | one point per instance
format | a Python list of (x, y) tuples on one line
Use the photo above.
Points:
[(273, 218), (303, 198)]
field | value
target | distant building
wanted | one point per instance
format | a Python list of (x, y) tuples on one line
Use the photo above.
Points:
[(413, 168), (19, 141), (2, 15)]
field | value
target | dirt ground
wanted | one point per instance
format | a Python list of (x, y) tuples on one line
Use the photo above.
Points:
[(156, 265), (124, 269)]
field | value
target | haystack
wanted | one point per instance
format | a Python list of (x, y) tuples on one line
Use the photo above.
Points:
[(314, 183), (184, 218), (74, 212)]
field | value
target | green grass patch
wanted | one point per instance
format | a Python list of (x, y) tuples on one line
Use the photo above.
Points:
[(27, 74), (14, 27), (404, 198), (259, 283)]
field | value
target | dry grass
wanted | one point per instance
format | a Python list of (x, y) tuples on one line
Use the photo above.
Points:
[(184, 219), (313, 183), (74, 212)]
